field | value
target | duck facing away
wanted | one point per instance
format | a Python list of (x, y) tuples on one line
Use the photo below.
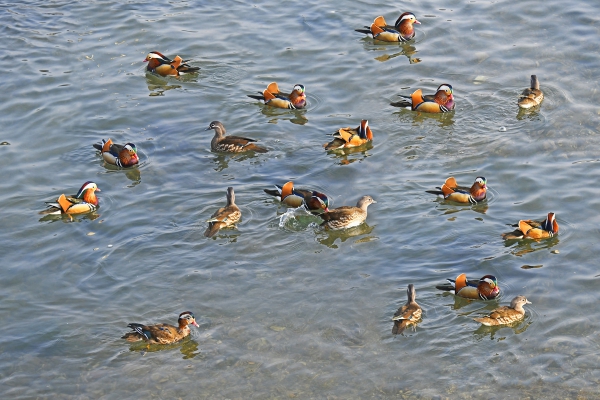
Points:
[(273, 97), (351, 137), (289, 195), (506, 315), (442, 101), (532, 96), (531, 229), (224, 216), (121, 155), (460, 194), (162, 333), (486, 288), (231, 144), (84, 201), (347, 216), (402, 31), (409, 314), (164, 66)]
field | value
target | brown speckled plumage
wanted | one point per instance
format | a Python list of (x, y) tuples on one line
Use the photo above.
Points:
[(532, 96), (346, 216), (409, 314), (506, 315), (231, 144), (162, 333), (224, 216)]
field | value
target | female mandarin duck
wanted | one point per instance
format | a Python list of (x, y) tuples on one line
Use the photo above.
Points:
[(118, 154), (534, 229), (531, 96), (404, 30), (224, 216), (506, 315), (442, 101), (451, 191), (346, 216), (231, 144), (409, 314), (348, 137), (83, 202), (288, 194), (485, 289), (164, 66), (273, 97), (162, 333)]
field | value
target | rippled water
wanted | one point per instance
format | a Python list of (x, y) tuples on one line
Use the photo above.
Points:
[(285, 309)]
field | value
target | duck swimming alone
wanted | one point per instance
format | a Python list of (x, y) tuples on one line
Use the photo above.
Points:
[(532, 96), (118, 154), (273, 97), (442, 101), (409, 314), (84, 201), (347, 216), (162, 333), (402, 31), (164, 66), (225, 216), (506, 315), (231, 144)]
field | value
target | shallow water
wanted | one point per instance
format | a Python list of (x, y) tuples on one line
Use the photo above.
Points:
[(285, 309)]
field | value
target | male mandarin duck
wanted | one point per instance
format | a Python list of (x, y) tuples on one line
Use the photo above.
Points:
[(273, 97), (346, 216), (83, 202), (288, 194), (485, 289), (349, 137), (162, 333), (403, 28), (231, 144), (506, 315), (164, 66), (118, 154), (224, 216), (442, 101), (534, 229), (409, 314), (531, 96), (451, 191)]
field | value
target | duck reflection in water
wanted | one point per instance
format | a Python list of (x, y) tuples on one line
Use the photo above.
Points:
[(407, 50), (328, 237), (188, 347), (157, 85), (275, 114), (222, 160), (349, 155), (407, 116)]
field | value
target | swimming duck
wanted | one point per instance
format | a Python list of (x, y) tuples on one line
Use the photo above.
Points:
[(403, 28), (349, 137), (506, 315), (273, 97), (231, 144), (288, 194), (164, 66), (409, 314), (83, 202), (162, 333), (442, 101), (118, 154), (485, 289), (531, 96), (224, 216), (346, 216), (451, 191), (534, 229)]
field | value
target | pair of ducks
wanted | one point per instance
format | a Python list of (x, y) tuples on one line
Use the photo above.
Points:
[(339, 218), (410, 313)]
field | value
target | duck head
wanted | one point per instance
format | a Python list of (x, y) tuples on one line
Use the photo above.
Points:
[(187, 318), (87, 193), (404, 23)]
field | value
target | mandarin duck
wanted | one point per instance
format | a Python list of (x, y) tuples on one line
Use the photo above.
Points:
[(534, 229), (485, 289), (289, 195), (273, 97), (83, 202), (403, 28), (347, 216), (506, 315), (231, 144), (350, 137), (531, 96), (451, 191), (162, 333), (224, 216), (442, 101), (118, 154), (164, 66), (409, 314)]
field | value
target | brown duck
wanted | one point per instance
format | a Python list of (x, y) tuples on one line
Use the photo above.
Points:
[(347, 216), (231, 144), (506, 315), (224, 216), (162, 333), (409, 314), (532, 96)]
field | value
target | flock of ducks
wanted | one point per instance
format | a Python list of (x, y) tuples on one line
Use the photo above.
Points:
[(485, 288)]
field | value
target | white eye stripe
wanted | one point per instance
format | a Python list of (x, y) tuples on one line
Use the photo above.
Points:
[(409, 16)]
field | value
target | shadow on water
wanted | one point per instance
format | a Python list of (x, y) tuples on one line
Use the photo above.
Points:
[(222, 160), (67, 218), (328, 237), (188, 347), (404, 49), (275, 114), (416, 118), (352, 154), (524, 246), (483, 331)]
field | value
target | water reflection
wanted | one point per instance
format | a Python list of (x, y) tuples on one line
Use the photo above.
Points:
[(532, 114), (157, 85), (518, 327), (328, 237), (481, 207), (524, 246), (188, 348), (417, 118), (275, 114), (405, 49), (349, 155), (221, 160), (70, 217)]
